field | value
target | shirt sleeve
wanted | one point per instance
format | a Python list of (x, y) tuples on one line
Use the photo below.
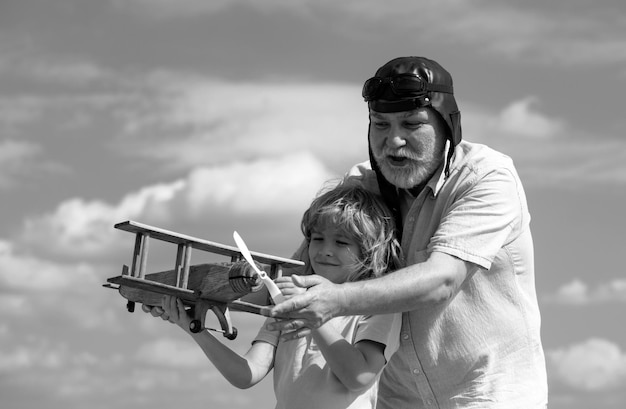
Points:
[(384, 329), (487, 212)]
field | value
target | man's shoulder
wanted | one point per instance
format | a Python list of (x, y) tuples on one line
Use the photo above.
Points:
[(476, 155)]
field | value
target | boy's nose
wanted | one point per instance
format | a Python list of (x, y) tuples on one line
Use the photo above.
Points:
[(326, 250)]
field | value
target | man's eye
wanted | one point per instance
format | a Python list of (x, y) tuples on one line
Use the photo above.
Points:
[(381, 125), (413, 125)]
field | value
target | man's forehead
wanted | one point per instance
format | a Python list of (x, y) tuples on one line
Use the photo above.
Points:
[(420, 113)]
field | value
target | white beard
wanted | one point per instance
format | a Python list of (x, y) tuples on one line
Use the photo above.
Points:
[(403, 177), (415, 172)]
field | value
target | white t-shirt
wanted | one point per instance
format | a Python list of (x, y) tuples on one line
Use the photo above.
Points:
[(303, 379)]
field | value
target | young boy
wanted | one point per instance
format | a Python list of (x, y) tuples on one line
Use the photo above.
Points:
[(349, 236)]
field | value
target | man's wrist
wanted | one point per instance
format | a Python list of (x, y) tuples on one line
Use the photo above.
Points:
[(343, 299)]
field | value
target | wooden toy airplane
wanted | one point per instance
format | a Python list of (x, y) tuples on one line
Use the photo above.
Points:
[(214, 286)]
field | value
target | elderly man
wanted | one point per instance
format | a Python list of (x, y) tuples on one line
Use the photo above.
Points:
[(471, 324)]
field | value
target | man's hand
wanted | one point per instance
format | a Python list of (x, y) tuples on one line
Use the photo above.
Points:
[(322, 301)]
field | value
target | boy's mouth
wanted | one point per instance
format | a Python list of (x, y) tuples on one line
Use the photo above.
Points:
[(326, 263)]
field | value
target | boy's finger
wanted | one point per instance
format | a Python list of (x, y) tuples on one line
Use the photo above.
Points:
[(301, 333)]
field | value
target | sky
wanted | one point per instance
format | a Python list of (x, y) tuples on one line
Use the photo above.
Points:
[(208, 117)]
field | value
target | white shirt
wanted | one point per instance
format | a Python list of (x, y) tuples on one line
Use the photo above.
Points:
[(302, 377), (482, 349)]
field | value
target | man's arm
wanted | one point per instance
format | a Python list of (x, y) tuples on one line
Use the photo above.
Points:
[(433, 281)]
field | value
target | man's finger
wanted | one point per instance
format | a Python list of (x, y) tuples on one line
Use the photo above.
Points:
[(282, 309), (295, 303)]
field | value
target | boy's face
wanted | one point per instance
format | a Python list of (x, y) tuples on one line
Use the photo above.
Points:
[(334, 255)]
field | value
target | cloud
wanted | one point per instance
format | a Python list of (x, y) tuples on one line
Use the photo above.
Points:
[(21, 161), (40, 354), (594, 365), (24, 358), (25, 273), (67, 72), (267, 186), (195, 122), (171, 353), (519, 119), (577, 292), (547, 151), (83, 228), (18, 110), (79, 229), (543, 35), (50, 69), (35, 288), (169, 9), (15, 159)]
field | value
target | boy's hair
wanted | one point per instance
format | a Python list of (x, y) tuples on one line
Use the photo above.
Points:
[(363, 216)]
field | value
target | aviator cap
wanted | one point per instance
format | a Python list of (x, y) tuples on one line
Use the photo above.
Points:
[(408, 83)]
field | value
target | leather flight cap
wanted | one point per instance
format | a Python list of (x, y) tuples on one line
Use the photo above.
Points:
[(408, 83)]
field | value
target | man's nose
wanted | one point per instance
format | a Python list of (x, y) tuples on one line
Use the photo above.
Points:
[(396, 141)]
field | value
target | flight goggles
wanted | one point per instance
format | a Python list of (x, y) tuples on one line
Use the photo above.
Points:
[(404, 86)]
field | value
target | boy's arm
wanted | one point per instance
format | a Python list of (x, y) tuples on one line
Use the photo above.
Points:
[(241, 371), (356, 366)]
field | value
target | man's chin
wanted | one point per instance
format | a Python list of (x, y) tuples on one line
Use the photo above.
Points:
[(402, 178)]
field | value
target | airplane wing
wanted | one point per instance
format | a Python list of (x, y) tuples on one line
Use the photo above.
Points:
[(200, 244), (130, 283)]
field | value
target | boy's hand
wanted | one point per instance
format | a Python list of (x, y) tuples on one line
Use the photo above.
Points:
[(288, 287), (174, 308), (171, 309), (155, 311)]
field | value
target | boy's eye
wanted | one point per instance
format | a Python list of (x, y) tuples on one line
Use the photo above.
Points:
[(343, 242)]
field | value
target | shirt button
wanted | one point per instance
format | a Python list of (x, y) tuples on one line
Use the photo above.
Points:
[(416, 371), (429, 402), (405, 336)]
